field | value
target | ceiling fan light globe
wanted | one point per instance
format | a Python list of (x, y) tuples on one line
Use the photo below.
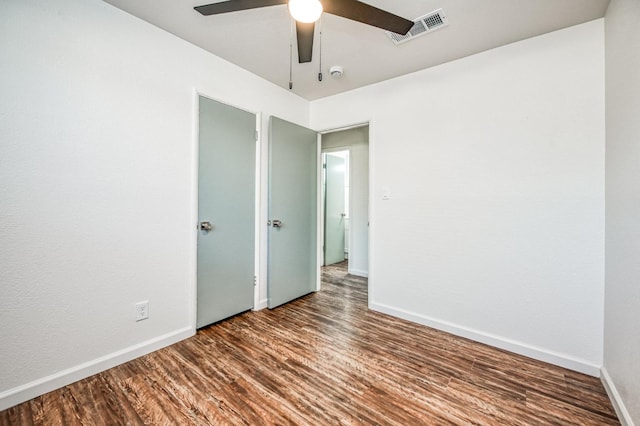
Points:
[(305, 11)]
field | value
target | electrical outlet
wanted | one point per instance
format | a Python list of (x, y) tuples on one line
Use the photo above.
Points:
[(142, 310)]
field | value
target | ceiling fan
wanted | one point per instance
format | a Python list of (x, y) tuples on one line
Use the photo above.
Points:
[(307, 12)]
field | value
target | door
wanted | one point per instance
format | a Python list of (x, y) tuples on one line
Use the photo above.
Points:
[(334, 209), (226, 211), (292, 257)]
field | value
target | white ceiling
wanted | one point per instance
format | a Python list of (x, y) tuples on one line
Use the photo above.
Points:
[(258, 39)]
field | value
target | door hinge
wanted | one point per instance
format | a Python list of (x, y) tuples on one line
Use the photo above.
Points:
[(255, 281), (257, 134)]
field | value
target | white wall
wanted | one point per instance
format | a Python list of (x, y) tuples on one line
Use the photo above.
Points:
[(357, 141), (495, 169), (97, 185), (622, 307)]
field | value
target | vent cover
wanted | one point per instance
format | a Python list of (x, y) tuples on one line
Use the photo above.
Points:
[(423, 25)]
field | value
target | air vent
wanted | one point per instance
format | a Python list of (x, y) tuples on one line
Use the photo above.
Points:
[(423, 25)]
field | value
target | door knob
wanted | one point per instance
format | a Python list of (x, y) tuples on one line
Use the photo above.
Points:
[(206, 226), (276, 223)]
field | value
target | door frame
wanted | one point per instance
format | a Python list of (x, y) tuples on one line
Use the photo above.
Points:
[(370, 244), (195, 157)]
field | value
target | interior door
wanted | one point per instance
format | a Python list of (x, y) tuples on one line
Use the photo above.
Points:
[(292, 257), (334, 209), (226, 211)]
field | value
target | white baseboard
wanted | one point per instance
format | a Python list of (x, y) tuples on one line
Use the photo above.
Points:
[(38, 387), (359, 273), (261, 305), (520, 348), (616, 400)]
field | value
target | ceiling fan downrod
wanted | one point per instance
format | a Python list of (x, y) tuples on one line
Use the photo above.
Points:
[(320, 49), (291, 56)]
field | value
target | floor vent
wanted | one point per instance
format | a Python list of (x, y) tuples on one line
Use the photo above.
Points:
[(423, 25)]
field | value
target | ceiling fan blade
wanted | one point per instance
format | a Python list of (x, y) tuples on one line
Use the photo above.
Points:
[(362, 12), (305, 41), (236, 5)]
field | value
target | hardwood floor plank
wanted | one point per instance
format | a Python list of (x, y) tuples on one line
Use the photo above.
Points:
[(57, 408), (18, 415), (324, 359), (499, 409), (97, 395), (558, 412), (152, 402)]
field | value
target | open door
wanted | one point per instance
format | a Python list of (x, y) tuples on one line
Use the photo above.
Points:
[(292, 256), (334, 208)]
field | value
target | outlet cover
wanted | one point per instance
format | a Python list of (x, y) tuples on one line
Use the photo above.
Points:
[(142, 310)]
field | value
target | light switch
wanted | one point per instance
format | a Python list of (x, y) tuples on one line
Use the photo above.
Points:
[(386, 193)]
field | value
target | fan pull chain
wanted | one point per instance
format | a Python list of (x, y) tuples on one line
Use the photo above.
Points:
[(291, 56), (320, 49)]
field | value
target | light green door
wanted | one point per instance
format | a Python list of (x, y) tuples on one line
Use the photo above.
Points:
[(334, 208), (292, 257), (226, 211)]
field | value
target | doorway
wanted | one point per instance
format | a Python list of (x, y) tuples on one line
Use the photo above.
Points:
[(346, 150)]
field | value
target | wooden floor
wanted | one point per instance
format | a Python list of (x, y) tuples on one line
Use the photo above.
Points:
[(321, 360)]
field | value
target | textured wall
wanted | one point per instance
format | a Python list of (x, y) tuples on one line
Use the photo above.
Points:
[(97, 184)]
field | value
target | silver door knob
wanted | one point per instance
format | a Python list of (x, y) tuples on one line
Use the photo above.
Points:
[(276, 223), (206, 226)]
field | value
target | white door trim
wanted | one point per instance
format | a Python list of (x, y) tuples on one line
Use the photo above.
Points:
[(371, 239)]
